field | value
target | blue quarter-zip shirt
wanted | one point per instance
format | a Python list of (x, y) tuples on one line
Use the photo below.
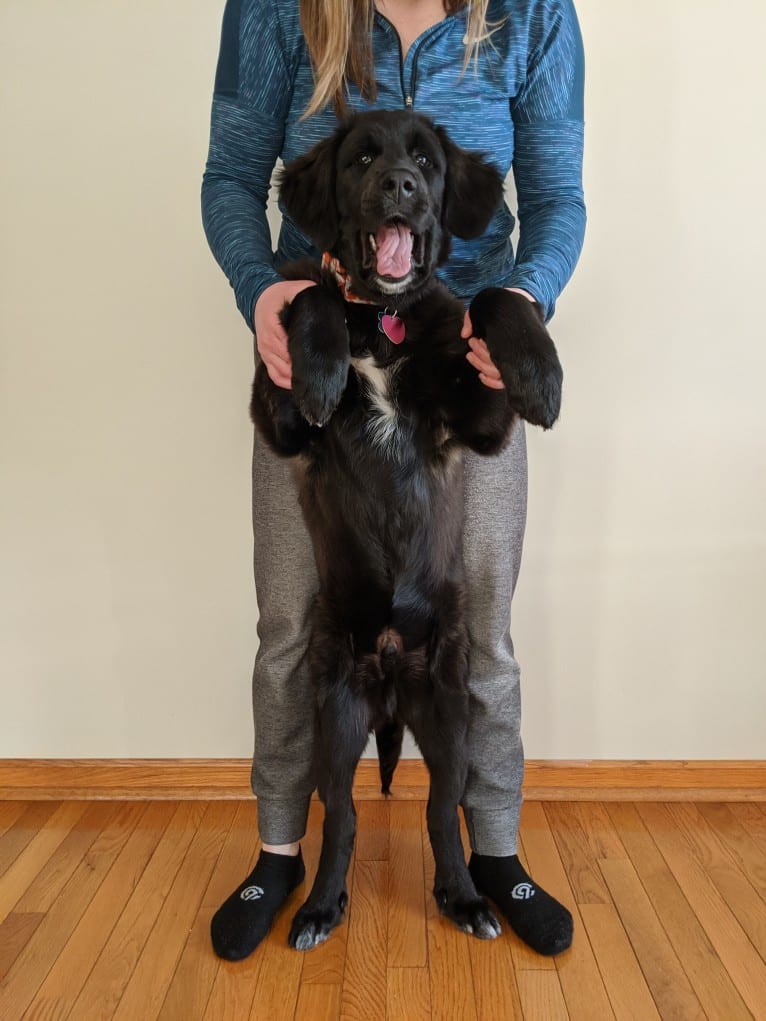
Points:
[(521, 105)]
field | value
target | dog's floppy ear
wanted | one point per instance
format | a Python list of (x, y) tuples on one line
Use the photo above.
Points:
[(307, 189), (472, 191)]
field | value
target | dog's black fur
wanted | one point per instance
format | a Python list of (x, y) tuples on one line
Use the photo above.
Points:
[(380, 429)]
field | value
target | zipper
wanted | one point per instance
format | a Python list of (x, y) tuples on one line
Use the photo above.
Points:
[(408, 97)]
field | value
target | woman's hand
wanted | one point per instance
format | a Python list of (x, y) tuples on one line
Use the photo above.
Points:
[(478, 356), (270, 336)]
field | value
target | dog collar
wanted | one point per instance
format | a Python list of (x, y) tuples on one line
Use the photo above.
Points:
[(389, 323), (343, 279)]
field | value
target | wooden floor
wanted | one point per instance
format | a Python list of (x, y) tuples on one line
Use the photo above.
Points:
[(105, 909)]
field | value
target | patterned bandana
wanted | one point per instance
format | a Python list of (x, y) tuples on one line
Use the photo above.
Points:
[(343, 279)]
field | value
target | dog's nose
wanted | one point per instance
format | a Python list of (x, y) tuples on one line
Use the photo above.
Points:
[(399, 185)]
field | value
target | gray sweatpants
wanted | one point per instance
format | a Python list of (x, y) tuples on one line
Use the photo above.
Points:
[(286, 580)]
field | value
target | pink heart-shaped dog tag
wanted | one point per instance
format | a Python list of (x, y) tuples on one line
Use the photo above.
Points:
[(392, 326)]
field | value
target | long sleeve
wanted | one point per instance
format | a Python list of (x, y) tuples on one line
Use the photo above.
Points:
[(252, 94), (547, 165)]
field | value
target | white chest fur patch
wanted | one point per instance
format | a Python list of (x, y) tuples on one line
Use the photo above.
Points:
[(385, 427)]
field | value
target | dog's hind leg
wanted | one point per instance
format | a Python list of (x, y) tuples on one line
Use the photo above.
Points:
[(342, 729), (438, 720)]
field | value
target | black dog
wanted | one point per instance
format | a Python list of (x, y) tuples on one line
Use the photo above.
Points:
[(383, 402)]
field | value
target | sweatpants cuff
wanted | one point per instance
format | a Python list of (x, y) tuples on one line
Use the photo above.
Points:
[(493, 831), (282, 822)]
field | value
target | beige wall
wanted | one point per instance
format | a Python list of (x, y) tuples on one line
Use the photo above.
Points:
[(128, 616)]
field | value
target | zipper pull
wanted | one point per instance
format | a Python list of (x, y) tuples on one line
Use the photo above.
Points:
[(408, 101)]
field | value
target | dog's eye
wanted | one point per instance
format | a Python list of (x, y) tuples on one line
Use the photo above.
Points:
[(363, 159), (422, 160)]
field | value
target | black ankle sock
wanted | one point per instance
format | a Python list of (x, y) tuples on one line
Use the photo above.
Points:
[(244, 918), (535, 916)]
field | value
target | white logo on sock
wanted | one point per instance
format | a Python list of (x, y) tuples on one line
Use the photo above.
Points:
[(523, 891), (251, 893)]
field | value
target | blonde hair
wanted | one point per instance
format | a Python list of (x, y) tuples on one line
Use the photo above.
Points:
[(338, 34)]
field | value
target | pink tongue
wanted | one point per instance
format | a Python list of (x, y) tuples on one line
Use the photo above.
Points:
[(394, 250)]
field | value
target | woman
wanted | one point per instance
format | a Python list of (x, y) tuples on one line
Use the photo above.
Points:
[(504, 77)]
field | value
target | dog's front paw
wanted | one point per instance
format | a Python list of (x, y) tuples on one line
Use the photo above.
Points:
[(470, 914), (521, 347), (318, 344), (312, 926), (318, 387)]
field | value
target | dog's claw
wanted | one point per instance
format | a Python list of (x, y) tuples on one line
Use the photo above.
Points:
[(319, 393), (308, 936), (489, 928), (472, 916), (313, 926)]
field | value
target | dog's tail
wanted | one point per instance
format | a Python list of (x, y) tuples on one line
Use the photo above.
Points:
[(389, 741)]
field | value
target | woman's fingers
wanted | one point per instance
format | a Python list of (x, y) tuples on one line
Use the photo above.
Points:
[(273, 348), (270, 336), (493, 384), (279, 378), (479, 357), (467, 330), (483, 364), (279, 372), (485, 368)]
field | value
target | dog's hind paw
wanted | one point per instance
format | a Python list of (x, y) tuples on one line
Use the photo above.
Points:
[(309, 934), (311, 927), (473, 916)]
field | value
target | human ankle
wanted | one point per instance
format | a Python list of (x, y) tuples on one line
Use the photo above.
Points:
[(291, 849)]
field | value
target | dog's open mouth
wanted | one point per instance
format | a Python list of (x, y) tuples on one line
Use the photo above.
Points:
[(393, 251)]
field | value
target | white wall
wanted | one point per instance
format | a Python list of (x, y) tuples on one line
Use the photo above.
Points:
[(128, 616)]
